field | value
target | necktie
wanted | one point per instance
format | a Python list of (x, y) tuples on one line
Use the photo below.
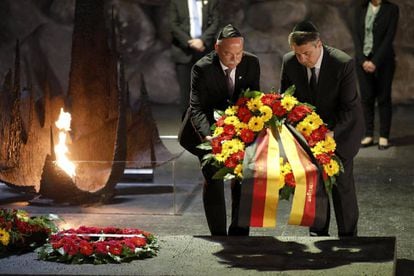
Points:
[(196, 20), (312, 84), (229, 82)]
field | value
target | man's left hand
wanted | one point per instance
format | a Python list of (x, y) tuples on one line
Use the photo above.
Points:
[(197, 44)]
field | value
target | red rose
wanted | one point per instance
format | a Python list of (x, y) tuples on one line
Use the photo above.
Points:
[(290, 180), (278, 109), (138, 241), (298, 113), (244, 114), (229, 130), (220, 121), (70, 248), (319, 134), (101, 248), (115, 248), (247, 135), (230, 162), (216, 146), (268, 99), (238, 156), (242, 101), (85, 248), (323, 158)]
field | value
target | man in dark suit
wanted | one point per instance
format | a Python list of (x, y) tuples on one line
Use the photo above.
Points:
[(325, 77), (217, 79), (374, 32), (190, 39)]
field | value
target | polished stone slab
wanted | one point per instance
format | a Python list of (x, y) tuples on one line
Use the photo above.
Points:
[(205, 255)]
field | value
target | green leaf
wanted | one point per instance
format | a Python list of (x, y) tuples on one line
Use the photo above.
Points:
[(285, 192), (252, 94), (205, 146), (221, 173), (290, 91), (218, 114)]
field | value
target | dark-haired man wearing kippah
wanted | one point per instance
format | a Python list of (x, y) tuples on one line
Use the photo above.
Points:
[(216, 80), (325, 77)]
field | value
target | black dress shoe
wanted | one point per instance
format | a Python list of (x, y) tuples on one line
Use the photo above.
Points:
[(318, 234), (367, 144), (383, 147)]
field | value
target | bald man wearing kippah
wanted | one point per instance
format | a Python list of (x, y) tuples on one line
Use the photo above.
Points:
[(325, 77), (217, 80)]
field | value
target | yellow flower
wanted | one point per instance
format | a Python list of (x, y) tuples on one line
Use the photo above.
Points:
[(231, 120), (331, 168), (313, 120), (325, 146), (231, 146), (4, 237), (231, 110), (330, 144), (285, 169), (319, 148), (288, 102), (266, 112), (304, 128), (256, 124), (238, 170), (218, 131), (239, 127), (254, 104), (220, 157)]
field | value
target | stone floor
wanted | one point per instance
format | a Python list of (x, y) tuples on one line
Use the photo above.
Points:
[(171, 206)]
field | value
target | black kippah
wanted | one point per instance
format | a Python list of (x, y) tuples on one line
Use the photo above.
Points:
[(305, 26), (228, 31)]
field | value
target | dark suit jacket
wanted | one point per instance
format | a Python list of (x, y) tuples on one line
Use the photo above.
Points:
[(209, 92), (337, 101), (180, 28), (384, 29)]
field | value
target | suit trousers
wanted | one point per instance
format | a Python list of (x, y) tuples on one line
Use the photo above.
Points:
[(345, 204), (377, 87), (215, 205), (184, 80)]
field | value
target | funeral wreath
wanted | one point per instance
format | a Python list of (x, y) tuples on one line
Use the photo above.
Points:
[(240, 124), (19, 232), (99, 245)]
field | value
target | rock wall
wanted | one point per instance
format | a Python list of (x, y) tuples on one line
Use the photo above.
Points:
[(44, 28)]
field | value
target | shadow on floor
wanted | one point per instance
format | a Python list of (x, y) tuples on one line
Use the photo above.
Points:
[(272, 254)]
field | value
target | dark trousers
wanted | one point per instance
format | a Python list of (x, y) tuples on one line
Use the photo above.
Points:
[(377, 87), (184, 80), (215, 205), (345, 204)]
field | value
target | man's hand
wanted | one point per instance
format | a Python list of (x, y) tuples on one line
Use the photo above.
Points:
[(368, 66), (196, 44), (208, 138)]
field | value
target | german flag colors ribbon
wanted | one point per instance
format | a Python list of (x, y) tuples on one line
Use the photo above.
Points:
[(262, 181)]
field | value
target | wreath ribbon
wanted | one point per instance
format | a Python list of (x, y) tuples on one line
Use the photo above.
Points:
[(262, 181)]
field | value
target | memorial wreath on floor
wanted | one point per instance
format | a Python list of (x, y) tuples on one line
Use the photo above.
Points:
[(277, 147), (99, 245), (21, 233)]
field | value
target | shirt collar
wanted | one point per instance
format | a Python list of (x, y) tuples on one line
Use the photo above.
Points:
[(319, 62)]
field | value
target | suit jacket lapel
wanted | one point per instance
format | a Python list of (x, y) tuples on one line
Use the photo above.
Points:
[(324, 76), (204, 11), (219, 75)]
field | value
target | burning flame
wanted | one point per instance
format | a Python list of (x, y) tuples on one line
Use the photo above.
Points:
[(61, 149)]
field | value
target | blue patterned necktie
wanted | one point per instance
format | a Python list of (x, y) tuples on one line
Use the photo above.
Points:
[(196, 20)]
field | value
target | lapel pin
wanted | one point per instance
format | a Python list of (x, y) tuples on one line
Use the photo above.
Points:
[(240, 77)]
